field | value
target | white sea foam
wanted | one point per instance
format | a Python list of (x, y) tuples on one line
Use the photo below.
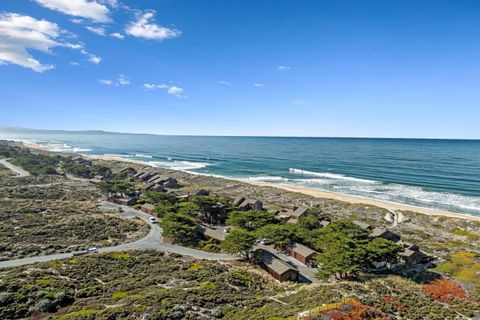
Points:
[(268, 179), (327, 175), (139, 155), (179, 165), (394, 193), (63, 147)]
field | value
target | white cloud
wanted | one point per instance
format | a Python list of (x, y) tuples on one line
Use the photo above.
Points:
[(299, 102), (77, 21), (19, 34), (259, 85), (98, 30), (117, 35), (283, 68), (79, 8), (106, 82), (144, 27), (225, 83), (174, 90), (95, 59), (120, 81), (91, 57), (74, 63)]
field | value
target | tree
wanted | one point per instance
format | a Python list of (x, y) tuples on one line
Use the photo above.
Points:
[(313, 218), (180, 227), (213, 209), (279, 234), (382, 250), (342, 246), (115, 187), (239, 241), (159, 197), (341, 256), (251, 220)]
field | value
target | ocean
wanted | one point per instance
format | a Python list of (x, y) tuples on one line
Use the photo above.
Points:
[(435, 174)]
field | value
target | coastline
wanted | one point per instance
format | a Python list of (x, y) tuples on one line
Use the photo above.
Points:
[(392, 206)]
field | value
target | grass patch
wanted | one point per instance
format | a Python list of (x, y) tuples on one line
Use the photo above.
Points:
[(195, 266), (207, 285), (79, 314), (470, 235), (120, 295), (121, 256), (44, 281)]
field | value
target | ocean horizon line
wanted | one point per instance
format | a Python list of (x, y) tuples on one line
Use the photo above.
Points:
[(100, 131)]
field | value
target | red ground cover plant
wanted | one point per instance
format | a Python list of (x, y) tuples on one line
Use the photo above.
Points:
[(393, 301), (444, 290), (353, 310)]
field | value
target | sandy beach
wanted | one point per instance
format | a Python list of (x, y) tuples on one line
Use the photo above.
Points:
[(392, 206)]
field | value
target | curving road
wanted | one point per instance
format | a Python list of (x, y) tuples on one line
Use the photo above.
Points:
[(19, 171), (153, 240)]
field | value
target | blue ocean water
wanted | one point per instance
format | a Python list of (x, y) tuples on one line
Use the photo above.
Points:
[(437, 174)]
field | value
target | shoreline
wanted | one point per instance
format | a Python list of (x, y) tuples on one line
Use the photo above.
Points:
[(391, 206)]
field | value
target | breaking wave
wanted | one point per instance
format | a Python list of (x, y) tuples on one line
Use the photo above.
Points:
[(327, 175), (179, 165)]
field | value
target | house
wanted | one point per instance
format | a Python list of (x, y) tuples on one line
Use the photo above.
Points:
[(148, 208), (411, 257), (299, 212), (138, 174), (238, 200), (201, 192), (172, 183), (276, 267), (302, 253), (284, 215), (324, 223), (211, 234), (363, 225), (127, 172), (144, 177), (127, 201), (251, 204), (380, 232), (153, 177)]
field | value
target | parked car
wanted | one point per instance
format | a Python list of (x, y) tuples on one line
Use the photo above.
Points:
[(93, 250), (153, 220)]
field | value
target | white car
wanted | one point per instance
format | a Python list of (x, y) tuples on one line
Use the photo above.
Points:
[(93, 250), (153, 220)]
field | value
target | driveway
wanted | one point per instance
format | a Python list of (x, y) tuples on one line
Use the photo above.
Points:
[(19, 171), (153, 240)]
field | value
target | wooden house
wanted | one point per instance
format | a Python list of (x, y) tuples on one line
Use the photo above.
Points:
[(302, 253), (276, 267), (148, 208)]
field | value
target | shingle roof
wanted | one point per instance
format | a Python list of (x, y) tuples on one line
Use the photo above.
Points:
[(212, 233), (300, 211), (273, 262), (301, 249), (148, 206)]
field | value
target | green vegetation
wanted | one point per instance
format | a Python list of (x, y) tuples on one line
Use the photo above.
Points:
[(470, 235), (182, 228), (345, 250), (251, 220), (240, 242), (280, 235)]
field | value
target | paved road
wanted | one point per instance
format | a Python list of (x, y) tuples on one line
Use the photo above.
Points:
[(19, 171), (151, 241), (307, 274)]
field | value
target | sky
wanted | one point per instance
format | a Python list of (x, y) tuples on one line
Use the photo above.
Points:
[(363, 68)]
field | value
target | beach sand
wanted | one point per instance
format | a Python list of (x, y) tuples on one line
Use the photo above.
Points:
[(392, 206)]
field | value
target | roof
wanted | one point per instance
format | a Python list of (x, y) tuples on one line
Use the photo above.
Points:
[(238, 200), (301, 249), (274, 263), (379, 232), (361, 224), (247, 202), (148, 206), (300, 211), (212, 233)]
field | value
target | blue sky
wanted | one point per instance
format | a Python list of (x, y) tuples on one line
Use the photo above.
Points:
[(249, 67)]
